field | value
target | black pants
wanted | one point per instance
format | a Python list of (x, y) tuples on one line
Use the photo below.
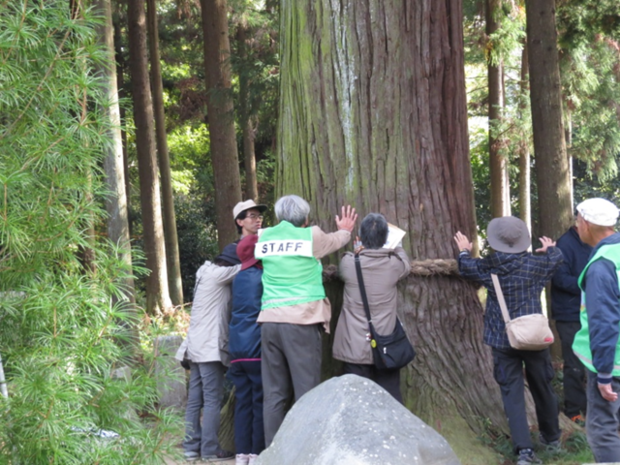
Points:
[(387, 379), (574, 372), (508, 372)]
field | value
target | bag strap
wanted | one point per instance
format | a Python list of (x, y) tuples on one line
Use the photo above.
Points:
[(360, 281), (500, 298)]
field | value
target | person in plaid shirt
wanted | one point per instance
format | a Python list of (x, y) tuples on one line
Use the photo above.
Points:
[(522, 277)]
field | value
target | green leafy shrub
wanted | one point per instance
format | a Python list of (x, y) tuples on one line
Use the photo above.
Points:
[(65, 328)]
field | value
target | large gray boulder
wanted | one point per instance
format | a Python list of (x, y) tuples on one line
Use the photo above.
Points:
[(351, 420)]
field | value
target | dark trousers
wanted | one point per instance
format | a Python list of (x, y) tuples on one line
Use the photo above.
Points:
[(387, 379), (290, 360), (575, 401), (249, 430), (508, 372)]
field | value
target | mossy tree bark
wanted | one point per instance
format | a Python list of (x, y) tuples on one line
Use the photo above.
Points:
[(373, 113)]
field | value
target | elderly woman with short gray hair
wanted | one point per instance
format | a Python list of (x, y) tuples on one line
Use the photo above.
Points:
[(382, 268), (294, 308)]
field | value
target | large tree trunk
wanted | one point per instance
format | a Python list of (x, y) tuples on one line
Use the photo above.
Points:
[(157, 297), (170, 223), (224, 156), (498, 163), (552, 171), (116, 202), (249, 156), (373, 113)]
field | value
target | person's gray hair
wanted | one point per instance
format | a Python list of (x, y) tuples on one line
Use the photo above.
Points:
[(373, 231), (293, 209)]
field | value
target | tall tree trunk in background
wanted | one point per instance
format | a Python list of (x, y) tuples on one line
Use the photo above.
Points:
[(170, 223), (120, 81), (525, 199), (249, 156), (568, 129), (224, 156), (500, 185), (157, 296), (86, 253), (552, 171), (116, 202), (373, 113)]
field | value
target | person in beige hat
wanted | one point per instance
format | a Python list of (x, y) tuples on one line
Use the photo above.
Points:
[(597, 343), (522, 277), (248, 217)]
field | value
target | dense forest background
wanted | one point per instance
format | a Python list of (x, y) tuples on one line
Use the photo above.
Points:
[(129, 130)]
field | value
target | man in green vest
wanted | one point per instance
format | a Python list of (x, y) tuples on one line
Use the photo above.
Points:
[(597, 344), (294, 309)]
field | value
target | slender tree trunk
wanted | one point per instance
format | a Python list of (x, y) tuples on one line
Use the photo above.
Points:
[(120, 81), (249, 157), (569, 141), (552, 170), (500, 185), (373, 113), (116, 202), (224, 156), (170, 223), (525, 202), (157, 296)]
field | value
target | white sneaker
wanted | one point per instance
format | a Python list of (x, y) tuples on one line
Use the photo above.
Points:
[(252, 460), (242, 459)]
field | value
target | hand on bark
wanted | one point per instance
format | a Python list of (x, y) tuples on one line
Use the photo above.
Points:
[(546, 243), (462, 242), (349, 217), (607, 393)]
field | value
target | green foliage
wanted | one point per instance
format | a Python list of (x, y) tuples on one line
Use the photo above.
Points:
[(63, 328), (197, 237)]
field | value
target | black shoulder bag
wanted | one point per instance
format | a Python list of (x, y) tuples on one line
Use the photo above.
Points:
[(390, 352)]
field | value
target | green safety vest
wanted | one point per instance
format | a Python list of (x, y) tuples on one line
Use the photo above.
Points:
[(581, 344), (291, 274)]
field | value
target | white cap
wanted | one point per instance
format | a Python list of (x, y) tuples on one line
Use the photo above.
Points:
[(598, 211), (242, 206)]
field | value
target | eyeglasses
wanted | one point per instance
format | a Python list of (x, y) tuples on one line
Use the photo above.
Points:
[(254, 216)]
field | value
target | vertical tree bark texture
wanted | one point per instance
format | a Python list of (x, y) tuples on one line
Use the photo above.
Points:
[(157, 296), (525, 202), (500, 185), (120, 82), (224, 156), (373, 113), (116, 202), (170, 223), (552, 171), (249, 156)]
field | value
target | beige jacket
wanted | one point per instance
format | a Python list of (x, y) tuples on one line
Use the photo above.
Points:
[(319, 311), (381, 270), (207, 337)]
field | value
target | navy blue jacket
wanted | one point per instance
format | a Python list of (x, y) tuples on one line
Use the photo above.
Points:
[(244, 332), (522, 277), (602, 304), (565, 292)]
